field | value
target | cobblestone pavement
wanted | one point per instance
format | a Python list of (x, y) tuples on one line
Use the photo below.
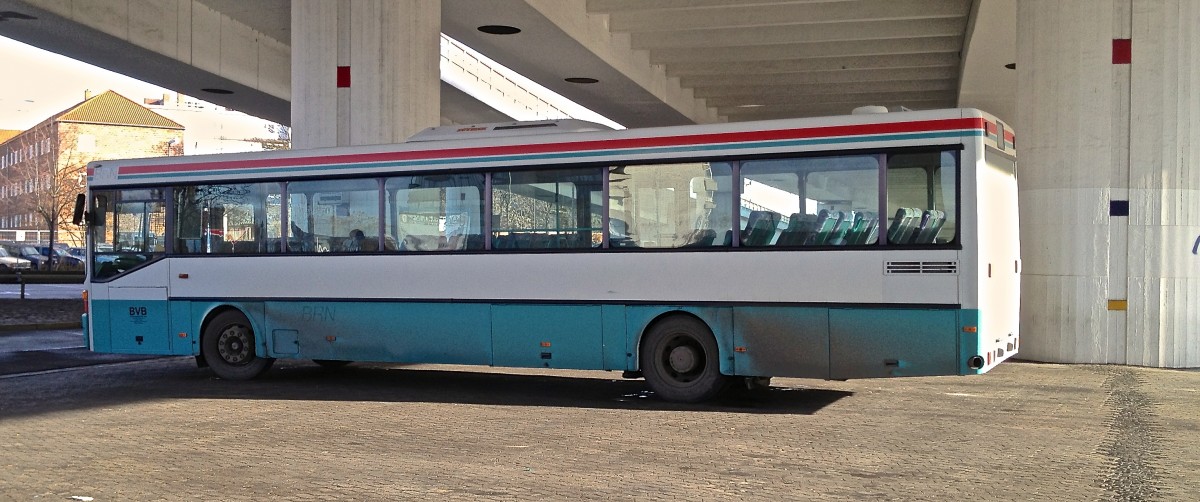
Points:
[(164, 430), (18, 314)]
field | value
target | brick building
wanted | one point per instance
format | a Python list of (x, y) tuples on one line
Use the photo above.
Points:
[(42, 169)]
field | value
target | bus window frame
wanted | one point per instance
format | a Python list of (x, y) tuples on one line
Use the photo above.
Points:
[(735, 162)]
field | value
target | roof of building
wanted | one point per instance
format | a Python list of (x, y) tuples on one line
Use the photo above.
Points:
[(110, 108)]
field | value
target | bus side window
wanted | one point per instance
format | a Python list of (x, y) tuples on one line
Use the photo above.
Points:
[(685, 205), (830, 201), (322, 213), (228, 219), (434, 213), (546, 209)]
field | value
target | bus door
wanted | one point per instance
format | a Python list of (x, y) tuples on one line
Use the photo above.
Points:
[(128, 288)]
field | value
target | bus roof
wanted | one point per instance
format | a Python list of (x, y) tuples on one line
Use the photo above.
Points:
[(845, 132), (506, 129)]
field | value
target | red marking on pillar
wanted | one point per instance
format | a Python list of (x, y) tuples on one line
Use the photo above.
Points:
[(343, 76), (1122, 50)]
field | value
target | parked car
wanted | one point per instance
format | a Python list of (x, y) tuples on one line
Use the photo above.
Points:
[(37, 261), (9, 263), (62, 259)]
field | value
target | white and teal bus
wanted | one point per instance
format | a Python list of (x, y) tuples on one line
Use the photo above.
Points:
[(858, 246)]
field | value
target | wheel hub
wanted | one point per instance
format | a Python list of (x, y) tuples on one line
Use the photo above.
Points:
[(683, 359), (234, 345)]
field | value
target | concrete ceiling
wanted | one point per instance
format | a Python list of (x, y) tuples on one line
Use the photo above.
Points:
[(664, 62), (797, 58)]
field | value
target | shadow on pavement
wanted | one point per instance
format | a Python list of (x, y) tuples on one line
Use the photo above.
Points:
[(32, 361), (178, 378)]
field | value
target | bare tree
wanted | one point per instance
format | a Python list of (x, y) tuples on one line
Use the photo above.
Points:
[(46, 174), (272, 144), (59, 175), (281, 141)]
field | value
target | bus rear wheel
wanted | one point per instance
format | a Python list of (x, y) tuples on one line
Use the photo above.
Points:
[(229, 349), (681, 362)]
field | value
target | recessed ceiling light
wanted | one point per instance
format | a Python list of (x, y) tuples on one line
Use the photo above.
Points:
[(581, 80), (215, 90), (750, 106), (499, 29)]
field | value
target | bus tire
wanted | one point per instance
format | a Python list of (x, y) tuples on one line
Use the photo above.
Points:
[(331, 363), (681, 362), (229, 347)]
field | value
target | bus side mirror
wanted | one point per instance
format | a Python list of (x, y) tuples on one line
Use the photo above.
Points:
[(80, 200)]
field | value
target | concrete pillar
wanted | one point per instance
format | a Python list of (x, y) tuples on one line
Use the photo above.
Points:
[(364, 71), (1109, 141)]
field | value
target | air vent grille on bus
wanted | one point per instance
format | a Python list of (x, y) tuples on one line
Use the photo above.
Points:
[(921, 267)]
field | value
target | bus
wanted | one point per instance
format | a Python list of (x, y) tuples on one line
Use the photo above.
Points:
[(697, 257)]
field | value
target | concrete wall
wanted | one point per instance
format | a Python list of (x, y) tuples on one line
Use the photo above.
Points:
[(1099, 131), (389, 53)]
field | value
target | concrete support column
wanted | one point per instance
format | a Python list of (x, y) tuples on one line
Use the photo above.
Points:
[(364, 71), (1109, 140)]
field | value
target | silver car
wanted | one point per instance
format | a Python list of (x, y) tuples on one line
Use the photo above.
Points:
[(10, 263)]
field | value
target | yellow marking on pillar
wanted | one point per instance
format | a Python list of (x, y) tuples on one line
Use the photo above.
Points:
[(1118, 305)]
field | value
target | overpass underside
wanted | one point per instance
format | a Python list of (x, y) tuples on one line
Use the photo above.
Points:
[(1103, 94)]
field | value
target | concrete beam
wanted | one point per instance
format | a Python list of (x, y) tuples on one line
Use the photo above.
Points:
[(569, 42), (991, 43), (650, 18), (796, 34), (182, 45), (872, 62), (951, 44)]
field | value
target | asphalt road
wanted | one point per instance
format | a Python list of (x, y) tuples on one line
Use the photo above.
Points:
[(41, 290), (26, 352)]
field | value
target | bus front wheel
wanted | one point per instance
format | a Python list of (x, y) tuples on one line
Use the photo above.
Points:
[(229, 349), (681, 362)]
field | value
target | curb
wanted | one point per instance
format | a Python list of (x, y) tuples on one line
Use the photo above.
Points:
[(39, 327)]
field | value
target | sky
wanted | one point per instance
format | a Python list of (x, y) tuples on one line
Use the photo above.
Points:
[(48, 83)]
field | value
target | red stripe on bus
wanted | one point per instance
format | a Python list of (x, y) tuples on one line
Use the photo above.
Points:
[(581, 146)]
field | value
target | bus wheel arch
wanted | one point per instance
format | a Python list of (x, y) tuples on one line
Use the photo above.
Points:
[(679, 357), (228, 345)]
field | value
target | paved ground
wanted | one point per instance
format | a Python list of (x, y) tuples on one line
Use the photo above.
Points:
[(162, 429), (29, 314)]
